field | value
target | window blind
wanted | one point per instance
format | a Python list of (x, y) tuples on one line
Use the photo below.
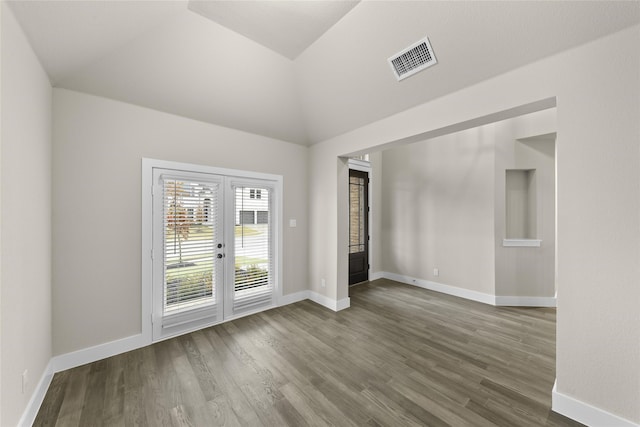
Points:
[(254, 260), (190, 218)]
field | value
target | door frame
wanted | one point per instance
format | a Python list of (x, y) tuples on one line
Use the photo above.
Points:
[(148, 165), (203, 314), (365, 166), (229, 231)]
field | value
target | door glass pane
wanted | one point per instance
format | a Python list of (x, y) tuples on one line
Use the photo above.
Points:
[(357, 233), (189, 210), (252, 242)]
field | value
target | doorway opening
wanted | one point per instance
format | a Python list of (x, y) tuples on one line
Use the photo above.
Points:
[(358, 226), (214, 239)]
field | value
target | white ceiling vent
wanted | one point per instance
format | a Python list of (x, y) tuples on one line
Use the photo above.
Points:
[(415, 58)]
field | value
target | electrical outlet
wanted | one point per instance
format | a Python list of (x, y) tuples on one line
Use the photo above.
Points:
[(25, 381), (436, 272), (323, 283)]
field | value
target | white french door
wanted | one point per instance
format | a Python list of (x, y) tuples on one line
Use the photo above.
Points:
[(213, 252), (250, 257)]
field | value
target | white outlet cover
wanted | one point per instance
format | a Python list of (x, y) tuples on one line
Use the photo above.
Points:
[(292, 223)]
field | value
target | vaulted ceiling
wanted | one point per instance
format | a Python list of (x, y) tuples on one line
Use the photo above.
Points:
[(300, 71)]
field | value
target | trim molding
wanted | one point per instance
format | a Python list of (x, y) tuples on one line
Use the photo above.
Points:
[(583, 412), (102, 351), (31, 411), (343, 303), (512, 301), (359, 165), (294, 297), (375, 276), (97, 352), (525, 301), (332, 304), (439, 287)]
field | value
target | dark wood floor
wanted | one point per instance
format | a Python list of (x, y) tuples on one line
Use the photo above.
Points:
[(399, 356)]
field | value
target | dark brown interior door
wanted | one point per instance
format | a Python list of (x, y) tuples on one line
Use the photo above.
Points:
[(358, 226)]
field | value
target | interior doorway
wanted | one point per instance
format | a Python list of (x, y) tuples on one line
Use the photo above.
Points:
[(358, 226)]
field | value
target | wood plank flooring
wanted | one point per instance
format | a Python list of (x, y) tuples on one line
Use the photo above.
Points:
[(400, 356)]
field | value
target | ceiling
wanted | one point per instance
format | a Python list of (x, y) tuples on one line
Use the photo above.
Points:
[(286, 27), (472, 40), (299, 71), (67, 35)]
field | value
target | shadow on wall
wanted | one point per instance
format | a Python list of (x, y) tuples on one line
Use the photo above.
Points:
[(443, 208)]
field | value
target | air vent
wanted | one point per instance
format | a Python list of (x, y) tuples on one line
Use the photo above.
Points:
[(415, 58)]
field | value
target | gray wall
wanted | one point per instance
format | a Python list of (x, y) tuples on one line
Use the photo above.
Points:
[(596, 87), (98, 146), (527, 271), (443, 206), (25, 198), (438, 208)]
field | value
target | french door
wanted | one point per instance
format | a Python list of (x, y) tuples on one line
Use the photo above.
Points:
[(213, 249)]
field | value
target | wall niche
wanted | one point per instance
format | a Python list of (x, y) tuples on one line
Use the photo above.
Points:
[(520, 204)]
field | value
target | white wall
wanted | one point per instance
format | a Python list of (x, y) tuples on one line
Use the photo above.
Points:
[(438, 210), (527, 142), (25, 268), (376, 204), (443, 206), (596, 86), (98, 146)]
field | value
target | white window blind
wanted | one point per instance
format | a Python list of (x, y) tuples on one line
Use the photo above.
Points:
[(253, 249), (190, 218)]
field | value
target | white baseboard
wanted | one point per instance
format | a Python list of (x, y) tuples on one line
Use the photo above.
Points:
[(98, 352), (375, 276), (585, 413), (512, 301), (31, 411), (526, 301), (332, 304), (102, 351), (335, 305), (439, 287), (294, 297), (343, 303)]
